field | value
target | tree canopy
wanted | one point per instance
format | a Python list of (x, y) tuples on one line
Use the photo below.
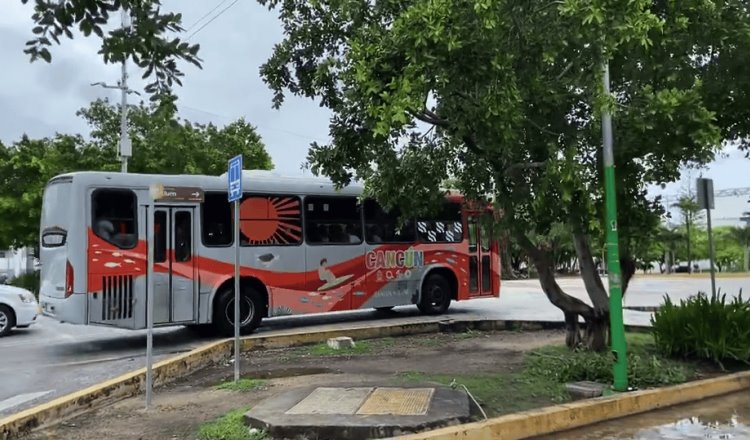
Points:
[(505, 99), (162, 143), (150, 40)]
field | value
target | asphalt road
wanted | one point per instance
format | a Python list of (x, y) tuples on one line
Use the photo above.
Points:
[(52, 359)]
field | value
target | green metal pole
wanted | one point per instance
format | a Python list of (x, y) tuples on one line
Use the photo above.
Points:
[(617, 327)]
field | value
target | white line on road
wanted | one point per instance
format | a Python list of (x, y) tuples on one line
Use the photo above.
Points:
[(21, 398)]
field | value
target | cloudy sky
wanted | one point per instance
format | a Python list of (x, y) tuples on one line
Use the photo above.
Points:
[(40, 99)]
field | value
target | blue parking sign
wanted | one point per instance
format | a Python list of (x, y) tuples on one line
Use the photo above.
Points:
[(234, 174)]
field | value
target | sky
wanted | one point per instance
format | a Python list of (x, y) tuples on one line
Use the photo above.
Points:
[(40, 99)]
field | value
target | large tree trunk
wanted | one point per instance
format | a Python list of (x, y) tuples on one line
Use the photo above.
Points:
[(507, 271), (572, 307), (597, 331)]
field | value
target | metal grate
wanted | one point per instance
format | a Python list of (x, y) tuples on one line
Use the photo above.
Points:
[(117, 297)]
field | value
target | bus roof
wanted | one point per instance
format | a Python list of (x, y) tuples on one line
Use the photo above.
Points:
[(262, 181), (252, 180)]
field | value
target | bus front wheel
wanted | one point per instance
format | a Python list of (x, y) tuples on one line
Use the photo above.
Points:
[(435, 296), (251, 306)]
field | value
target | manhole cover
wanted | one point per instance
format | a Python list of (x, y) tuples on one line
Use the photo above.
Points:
[(331, 401), (397, 401)]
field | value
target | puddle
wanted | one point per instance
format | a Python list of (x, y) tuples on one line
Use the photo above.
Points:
[(287, 372), (726, 417)]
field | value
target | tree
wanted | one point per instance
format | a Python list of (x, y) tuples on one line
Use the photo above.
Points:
[(163, 144), (506, 97), (150, 42)]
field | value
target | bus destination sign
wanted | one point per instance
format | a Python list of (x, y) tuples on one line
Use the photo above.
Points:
[(177, 194)]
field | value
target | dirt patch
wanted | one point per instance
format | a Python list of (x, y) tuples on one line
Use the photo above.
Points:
[(180, 408)]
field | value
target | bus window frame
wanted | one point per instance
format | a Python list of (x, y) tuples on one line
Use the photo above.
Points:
[(414, 239), (94, 220), (305, 229)]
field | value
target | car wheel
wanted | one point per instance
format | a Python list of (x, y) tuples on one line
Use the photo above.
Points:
[(7, 320), (251, 311), (435, 295)]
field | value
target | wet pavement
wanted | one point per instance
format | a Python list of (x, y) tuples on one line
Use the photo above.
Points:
[(726, 417)]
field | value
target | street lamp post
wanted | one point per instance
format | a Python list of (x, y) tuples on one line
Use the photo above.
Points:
[(617, 327)]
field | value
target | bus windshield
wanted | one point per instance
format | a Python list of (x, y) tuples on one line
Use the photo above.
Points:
[(55, 213)]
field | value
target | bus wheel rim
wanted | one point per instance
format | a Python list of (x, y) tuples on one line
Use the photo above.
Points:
[(3, 321), (436, 296), (229, 311)]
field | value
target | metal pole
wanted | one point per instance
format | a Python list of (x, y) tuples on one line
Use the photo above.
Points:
[(150, 215), (236, 290), (125, 146), (617, 327), (711, 252)]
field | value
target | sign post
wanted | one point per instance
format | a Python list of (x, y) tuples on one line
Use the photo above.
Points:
[(150, 218), (706, 201), (234, 191)]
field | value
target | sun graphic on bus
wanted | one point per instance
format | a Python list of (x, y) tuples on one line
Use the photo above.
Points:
[(271, 220)]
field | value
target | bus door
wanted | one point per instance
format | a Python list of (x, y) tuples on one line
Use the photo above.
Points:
[(480, 257), (175, 288)]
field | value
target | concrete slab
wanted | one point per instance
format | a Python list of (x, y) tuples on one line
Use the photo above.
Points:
[(341, 342), (332, 401), (326, 412)]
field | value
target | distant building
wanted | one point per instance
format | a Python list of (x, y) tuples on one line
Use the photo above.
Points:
[(16, 262)]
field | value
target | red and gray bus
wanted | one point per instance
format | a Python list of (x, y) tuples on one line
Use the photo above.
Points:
[(305, 247)]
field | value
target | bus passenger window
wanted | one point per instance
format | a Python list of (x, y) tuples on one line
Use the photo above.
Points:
[(182, 236), (216, 220), (445, 227), (386, 227), (333, 220), (114, 216)]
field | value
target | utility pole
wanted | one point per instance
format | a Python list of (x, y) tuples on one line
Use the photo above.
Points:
[(617, 325), (125, 147)]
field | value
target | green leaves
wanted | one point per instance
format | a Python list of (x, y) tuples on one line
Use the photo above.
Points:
[(146, 41), (162, 143), (704, 327)]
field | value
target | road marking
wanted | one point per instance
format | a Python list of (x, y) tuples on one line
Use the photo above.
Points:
[(21, 398)]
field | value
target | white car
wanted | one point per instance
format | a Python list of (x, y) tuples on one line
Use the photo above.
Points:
[(18, 308)]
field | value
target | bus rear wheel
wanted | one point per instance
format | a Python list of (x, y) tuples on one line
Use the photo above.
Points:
[(251, 306), (435, 296)]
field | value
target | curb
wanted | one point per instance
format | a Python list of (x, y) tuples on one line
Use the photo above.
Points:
[(559, 418), (168, 370)]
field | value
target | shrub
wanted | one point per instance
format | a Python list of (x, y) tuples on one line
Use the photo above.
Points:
[(644, 369), (28, 281), (704, 327)]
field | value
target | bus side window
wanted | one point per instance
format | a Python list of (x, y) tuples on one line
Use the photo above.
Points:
[(114, 216), (333, 220), (386, 227)]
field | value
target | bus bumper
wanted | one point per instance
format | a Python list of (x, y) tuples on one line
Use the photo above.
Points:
[(72, 310)]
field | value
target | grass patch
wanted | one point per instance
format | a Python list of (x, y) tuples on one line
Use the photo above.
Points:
[(322, 349), (230, 426), (646, 367), (244, 384), (547, 369), (499, 393)]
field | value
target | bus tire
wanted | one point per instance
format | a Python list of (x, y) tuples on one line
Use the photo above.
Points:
[(435, 296), (223, 319)]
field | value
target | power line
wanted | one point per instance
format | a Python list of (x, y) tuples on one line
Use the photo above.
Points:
[(211, 20), (205, 15)]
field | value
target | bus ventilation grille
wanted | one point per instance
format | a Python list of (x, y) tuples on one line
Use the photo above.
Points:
[(117, 297)]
